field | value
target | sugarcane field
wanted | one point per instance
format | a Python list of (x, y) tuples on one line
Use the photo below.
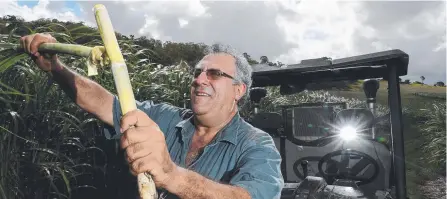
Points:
[(223, 99)]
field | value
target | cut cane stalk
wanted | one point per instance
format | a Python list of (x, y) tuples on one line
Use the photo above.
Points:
[(97, 55), (126, 97)]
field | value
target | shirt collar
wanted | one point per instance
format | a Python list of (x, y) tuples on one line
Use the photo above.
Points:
[(228, 133)]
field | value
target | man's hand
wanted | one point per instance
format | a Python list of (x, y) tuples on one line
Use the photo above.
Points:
[(30, 44), (145, 147)]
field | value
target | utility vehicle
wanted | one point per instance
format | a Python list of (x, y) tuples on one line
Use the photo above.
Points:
[(330, 150)]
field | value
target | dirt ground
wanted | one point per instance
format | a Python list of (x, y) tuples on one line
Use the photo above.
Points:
[(434, 189)]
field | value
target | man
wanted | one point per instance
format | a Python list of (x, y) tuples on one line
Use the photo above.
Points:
[(211, 153)]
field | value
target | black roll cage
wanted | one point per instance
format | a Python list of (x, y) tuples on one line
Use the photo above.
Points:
[(388, 65)]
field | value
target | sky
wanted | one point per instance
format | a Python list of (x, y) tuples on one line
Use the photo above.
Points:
[(286, 31)]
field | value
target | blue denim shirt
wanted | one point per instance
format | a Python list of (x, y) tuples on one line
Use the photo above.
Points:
[(240, 155)]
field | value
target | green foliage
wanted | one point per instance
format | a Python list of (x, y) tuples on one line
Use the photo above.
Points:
[(432, 123), (431, 95), (50, 147), (155, 51), (42, 130), (417, 83), (273, 100), (169, 84), (434, 130), (440, 83)]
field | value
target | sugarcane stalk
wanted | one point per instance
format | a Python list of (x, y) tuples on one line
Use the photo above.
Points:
[(69, 49), (126, 97), (96, 55)]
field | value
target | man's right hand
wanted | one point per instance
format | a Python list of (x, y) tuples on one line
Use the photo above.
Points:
[(86, 93), (30, 44)]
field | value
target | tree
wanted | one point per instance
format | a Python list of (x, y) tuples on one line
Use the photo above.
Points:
[(279, 64), (407, 81), (440, 83), (264, 60), (249, 59)]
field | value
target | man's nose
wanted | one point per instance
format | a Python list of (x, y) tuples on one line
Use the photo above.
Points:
[(202, 78)]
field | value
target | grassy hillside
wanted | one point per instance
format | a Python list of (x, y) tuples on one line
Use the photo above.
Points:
[(411, 94)]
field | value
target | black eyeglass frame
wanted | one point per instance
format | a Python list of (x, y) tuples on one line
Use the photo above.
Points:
[(212, 73)]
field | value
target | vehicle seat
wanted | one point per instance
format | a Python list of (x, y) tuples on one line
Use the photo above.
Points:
[(268, 122)]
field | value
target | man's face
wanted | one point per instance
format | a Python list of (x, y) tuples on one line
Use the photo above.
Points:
[(214, 94)]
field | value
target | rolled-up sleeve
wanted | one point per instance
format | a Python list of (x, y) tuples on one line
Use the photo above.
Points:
[(259, 172), (162, 114)]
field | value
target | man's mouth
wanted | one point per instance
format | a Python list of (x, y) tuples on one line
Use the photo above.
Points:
[(202, 94)]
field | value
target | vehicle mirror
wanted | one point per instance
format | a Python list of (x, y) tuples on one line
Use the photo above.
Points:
[(370, 88)]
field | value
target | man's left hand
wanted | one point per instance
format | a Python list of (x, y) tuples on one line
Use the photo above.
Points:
[(145, 147)]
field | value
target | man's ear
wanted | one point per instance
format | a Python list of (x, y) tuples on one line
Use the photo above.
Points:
[(240, 91)]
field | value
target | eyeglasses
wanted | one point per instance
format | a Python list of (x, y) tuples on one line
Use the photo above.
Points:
[(213, 74)]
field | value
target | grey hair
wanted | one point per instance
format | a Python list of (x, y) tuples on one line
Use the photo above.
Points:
[(243, 68)]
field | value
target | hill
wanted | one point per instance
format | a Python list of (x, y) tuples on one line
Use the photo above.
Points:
[(412, 95)]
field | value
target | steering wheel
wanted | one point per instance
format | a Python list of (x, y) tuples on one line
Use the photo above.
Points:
[(350, 173)]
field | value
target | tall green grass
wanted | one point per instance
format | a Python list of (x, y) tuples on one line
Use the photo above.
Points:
[(425, 146), (432, 125), (50, 148)]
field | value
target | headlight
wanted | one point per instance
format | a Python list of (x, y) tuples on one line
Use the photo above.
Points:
[(348, 133)]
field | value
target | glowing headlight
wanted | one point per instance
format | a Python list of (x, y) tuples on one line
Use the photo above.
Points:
[(348, 133)]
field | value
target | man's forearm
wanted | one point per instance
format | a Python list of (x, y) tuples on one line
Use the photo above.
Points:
[(188, 185), (87, 94)]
